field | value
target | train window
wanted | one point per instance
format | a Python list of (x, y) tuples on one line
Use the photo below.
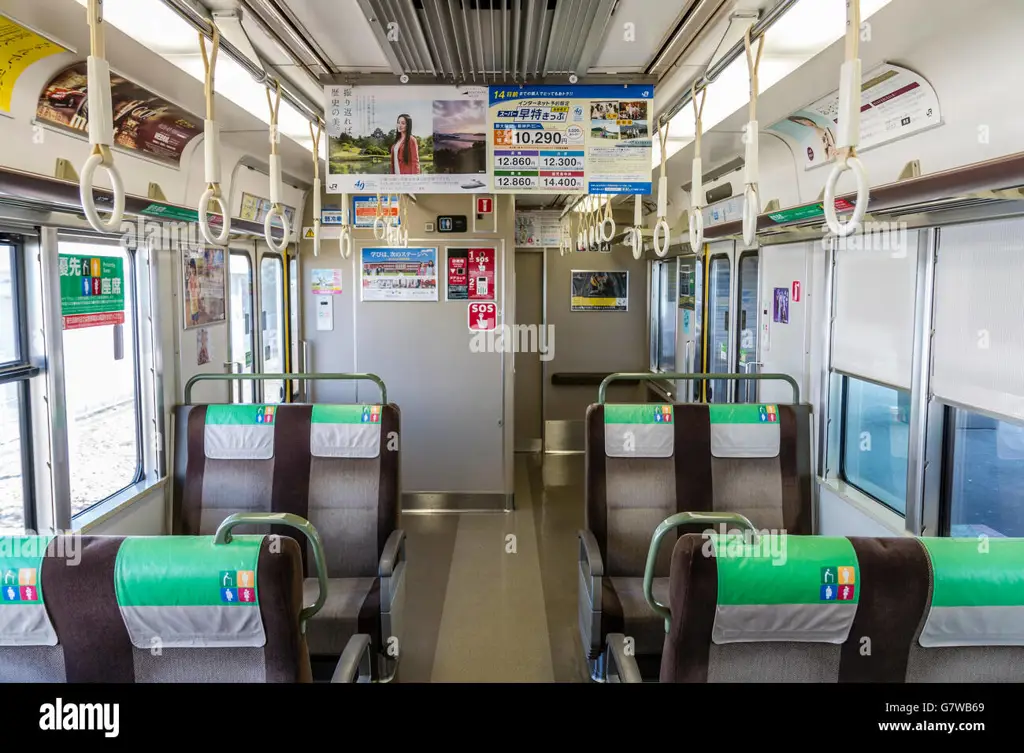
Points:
[(10, 338), (272, 303), (746, 341), (12, 455), (987, 477), (875, 441), (668, 313), (101, 389), (718, 347), (293, 304), (242, 330)]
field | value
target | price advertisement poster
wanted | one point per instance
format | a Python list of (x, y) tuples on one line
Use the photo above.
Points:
[(364, 209), (573, 139), (406, 139), (91, 290), (599, 291), (471, 274), (399, 274), (895, 102), (142, 121), (538, 229)]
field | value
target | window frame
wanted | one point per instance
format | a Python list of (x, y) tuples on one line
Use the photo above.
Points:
[(131, 309), (844, 406), (285, 317), (20, 372)]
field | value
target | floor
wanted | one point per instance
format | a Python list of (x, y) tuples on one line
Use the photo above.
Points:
[(491, 597)]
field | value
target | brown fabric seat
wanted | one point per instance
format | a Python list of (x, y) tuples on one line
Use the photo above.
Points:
[(100, 613), (704, 459), (925, 610), (324, 464)]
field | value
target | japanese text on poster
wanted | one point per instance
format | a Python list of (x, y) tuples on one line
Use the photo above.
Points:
[(599, 291), (256, 208), (471, 274), (326, 281), (19, 48), (538, 229), (574, 139), (91, 290), (204, 287), (365, 210), (408, 139), (399, 274), (895, 102)]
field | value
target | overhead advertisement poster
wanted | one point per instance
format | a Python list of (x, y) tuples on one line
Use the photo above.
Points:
[(91, 290), (538, 229), (406, 139), (143, 122), (399, 274), (599, 291), (471, 274), (205, 289), (895, 102), (572, 139), (365, 208), (256, 208), (19, 48)]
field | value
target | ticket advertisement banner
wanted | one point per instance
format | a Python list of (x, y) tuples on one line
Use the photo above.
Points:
[(399, 274), (406, 139), (572, 139), (470, 274), (143, 122)]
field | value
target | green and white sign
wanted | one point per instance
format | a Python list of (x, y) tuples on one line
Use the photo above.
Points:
[(91, 290), (345, 431)]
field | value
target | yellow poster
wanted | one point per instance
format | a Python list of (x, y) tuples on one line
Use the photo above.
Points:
[(19, 48)]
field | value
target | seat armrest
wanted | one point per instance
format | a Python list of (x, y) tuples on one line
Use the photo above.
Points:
[(394, 552), (590, 554), (355, 662), (621, 667)]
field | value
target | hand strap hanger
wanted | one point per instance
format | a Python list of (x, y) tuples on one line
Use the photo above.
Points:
[(849, 130), (607, 226), (635, 237), (380, 228), (697, 177), (751, 197), (345, 239), (317, 205), (211, 144), (276, 208), (101, 128), (662, 233)]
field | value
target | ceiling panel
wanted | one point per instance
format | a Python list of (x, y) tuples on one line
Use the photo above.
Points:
[(631, 49)]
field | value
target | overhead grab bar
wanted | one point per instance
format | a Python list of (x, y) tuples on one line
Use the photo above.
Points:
[(285, 377), (849, 131), (211, 144), (101, 128), (669, 376), (223, 537), (751, 197), (682, 519), (276, 209)]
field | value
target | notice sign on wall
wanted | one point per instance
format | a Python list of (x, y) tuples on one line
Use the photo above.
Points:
[(471, 274), (600, 291), (365, 209), (326, 281), (399, 274), (538, 229), (895, 102), (91, 290), (571, 139)]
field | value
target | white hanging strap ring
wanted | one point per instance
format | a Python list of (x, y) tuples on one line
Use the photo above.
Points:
[(751, 197), (101, 129), (317, 201), (849, 131), (662, 232), (608, 223), (379, 228), (276, 209), (211, 144), (697, 175), (636, 235)]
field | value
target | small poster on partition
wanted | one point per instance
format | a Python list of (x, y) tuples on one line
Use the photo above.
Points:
[(599, 291)]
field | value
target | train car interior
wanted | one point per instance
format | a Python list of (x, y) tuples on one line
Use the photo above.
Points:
[(280, 284)]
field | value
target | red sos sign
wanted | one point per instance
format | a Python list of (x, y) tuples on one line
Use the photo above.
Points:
[(483, 317)]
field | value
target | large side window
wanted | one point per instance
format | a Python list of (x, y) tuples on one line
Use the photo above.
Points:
[(273, 324), (101, 373), (875, 441), (16, 503)]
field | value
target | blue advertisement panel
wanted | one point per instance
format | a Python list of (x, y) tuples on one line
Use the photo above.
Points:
[(399, 274)]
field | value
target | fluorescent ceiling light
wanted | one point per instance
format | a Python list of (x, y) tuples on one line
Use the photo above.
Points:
[(157, 27), (805, 30)]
